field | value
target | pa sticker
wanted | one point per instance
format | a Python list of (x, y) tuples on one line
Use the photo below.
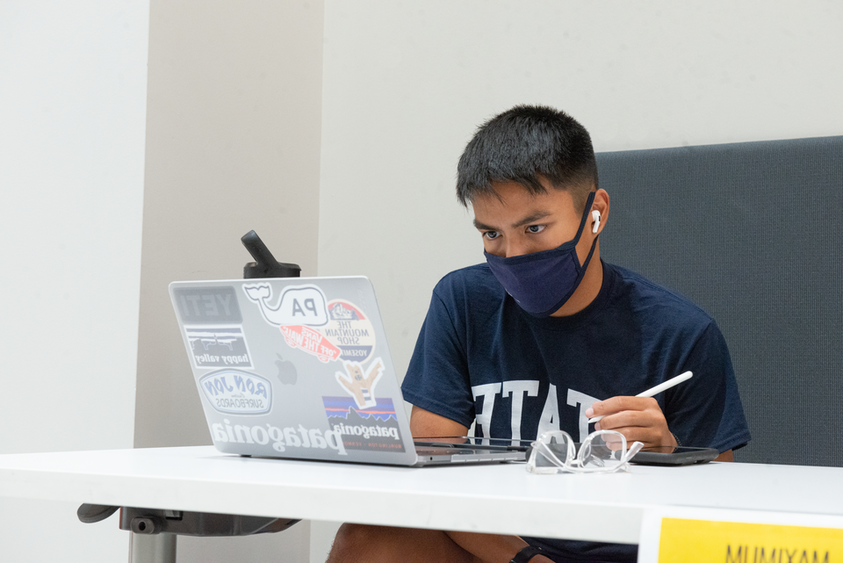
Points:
[(298, 305)]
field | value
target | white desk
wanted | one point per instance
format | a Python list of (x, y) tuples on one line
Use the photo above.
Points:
[(491, 498)]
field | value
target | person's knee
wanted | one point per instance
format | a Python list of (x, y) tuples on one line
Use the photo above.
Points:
[(354, 541), (374, 544), (350, 536)]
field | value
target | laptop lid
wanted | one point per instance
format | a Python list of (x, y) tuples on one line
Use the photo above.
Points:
[(294, 368)]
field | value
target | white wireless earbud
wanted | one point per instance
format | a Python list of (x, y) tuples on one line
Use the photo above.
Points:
[(595, 216)]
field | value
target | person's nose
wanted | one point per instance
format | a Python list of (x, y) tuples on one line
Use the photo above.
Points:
[(516, 248)]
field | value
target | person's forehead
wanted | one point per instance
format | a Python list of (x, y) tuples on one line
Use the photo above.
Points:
[(513, 196)]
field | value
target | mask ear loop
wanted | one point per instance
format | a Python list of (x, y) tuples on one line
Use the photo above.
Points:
[(589, 202)]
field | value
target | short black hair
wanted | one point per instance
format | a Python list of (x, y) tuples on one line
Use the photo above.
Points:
[(523, 145)]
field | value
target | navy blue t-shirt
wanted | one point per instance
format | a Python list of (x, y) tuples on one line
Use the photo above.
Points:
[(480, 358)]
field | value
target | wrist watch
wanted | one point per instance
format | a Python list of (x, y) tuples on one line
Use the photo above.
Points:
[(526, 554)]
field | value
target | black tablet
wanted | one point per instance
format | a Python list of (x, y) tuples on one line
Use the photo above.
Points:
[(674, 455)]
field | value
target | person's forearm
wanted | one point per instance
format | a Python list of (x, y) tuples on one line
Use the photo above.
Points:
[(493, 548)]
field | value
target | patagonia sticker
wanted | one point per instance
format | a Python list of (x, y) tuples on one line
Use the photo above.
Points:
[(237, 392), (281, 439), (374, 428)]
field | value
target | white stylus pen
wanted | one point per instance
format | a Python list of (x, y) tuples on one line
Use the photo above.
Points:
[(673, 381)]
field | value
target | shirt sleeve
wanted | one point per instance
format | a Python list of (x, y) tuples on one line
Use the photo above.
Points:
[(437, 379), (706, 411)]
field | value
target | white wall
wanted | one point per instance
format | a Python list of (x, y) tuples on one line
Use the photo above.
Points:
[(72, 118)]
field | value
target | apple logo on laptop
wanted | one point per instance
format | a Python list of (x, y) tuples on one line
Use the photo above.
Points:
[(286, 371)]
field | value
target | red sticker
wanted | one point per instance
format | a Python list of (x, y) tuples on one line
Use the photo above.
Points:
[(310, 341)]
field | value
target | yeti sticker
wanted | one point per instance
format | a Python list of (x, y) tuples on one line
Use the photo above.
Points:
[(298, 305), (360, 384)]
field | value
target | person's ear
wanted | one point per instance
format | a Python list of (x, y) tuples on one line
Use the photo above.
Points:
[(599, 211)]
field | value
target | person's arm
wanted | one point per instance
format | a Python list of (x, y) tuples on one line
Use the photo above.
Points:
[(490, 548), (703, 411), (638, 419), (728, 455), (427, 424)]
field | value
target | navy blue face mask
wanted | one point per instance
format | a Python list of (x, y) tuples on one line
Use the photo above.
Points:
[(542, 282)]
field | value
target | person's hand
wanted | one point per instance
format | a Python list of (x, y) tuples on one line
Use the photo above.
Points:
[(639, 419)]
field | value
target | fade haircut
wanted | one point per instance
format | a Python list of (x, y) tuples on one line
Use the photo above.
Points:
[(523, 145)]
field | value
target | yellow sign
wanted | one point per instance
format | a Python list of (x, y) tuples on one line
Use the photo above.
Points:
[(692, 541)]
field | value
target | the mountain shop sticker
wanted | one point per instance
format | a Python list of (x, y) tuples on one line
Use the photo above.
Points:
[(350, 331)]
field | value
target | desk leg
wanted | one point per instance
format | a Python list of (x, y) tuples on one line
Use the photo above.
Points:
[(153, 548)]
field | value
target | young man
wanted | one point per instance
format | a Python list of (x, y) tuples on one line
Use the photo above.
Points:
[(544, 335)]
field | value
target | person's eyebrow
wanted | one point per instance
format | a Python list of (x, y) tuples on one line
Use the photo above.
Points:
[(538, 215), (483, 226)]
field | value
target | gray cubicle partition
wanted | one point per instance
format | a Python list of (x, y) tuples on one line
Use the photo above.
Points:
[(753, 233)]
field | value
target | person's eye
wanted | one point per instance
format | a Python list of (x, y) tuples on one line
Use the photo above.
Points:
[(534, 229), (490, 235)]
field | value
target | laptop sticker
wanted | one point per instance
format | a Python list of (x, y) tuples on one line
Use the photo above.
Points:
[(349, 330), (237, 392), (333, 331), (282, 439), (215, 305), (218, 346), (297, 310), (310, 341), (360, 382), (298, 305), (375, 428)]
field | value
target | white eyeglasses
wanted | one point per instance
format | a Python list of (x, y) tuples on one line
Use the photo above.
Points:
[(603, 451)]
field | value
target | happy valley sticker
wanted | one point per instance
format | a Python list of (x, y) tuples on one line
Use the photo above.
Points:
[(218, 346)]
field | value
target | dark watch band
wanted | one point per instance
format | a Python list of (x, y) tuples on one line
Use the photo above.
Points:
[(526, 554)]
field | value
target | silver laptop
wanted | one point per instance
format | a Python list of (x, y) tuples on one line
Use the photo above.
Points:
[(299, 368)]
